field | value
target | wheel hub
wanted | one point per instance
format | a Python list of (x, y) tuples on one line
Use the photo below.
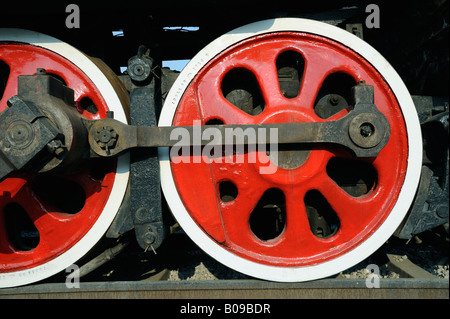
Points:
[(289, 156)]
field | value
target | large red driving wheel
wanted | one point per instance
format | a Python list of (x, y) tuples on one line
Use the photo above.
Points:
[(306, 211), (47, 222)]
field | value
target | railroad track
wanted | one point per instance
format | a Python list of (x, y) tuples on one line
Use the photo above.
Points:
[(404, 288)]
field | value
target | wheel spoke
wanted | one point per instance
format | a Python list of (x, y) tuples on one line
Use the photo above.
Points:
[(315, 73), (298, 233), (212, 105), (47, 224), (354, 213), (236, 215), (264, 67)]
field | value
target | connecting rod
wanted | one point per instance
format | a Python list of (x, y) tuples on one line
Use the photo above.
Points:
[(364, 130)]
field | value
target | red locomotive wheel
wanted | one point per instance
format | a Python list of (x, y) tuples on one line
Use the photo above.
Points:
[(47, 222), (320, 205)]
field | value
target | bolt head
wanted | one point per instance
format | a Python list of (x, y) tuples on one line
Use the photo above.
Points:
[(106, 137), (139, 68), (334, 100)]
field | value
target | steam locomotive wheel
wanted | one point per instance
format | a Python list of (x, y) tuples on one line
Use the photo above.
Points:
[(48, 222), (320, 210)]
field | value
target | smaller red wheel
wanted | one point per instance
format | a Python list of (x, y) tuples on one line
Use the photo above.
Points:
[(48, 222)]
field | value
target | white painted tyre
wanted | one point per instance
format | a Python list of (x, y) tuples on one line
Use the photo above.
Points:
[(241, 262)]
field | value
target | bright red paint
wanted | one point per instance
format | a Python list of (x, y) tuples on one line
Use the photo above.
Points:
[(228, 222)]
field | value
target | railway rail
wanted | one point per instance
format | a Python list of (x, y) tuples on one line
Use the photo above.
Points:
[(239, 289)]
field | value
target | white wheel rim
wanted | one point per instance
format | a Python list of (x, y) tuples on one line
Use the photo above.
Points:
[(406, 195), (112, 206)]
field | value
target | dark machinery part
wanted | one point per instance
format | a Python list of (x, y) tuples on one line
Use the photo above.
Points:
[(98, 261), (24, 132), (141, 67), (146, 201), (431, 205), (41, 129), (143, 210)]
